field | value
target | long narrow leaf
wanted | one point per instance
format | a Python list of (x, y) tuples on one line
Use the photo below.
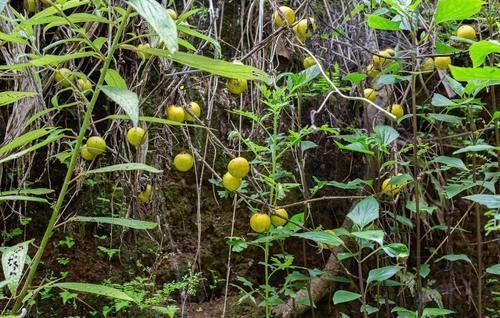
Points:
[(133, 224)]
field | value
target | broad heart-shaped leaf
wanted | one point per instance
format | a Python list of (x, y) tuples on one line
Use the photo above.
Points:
[(465, 74), (321, 237), (125, 167), (492, 201), (383, 273), (386, 134), (375, 236), (127, 100), (95, 289), (159, 19), (7, 98), (13, 260), (454, 258), (365, 212), (449, 10), (113, 78), (130, 223), (344, 296), (397, 250), (480, 50), (381, 23), (451, 162), (494, 269)]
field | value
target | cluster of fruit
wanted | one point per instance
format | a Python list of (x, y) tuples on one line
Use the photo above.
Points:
[(65, 78), (179, 114), (237, 169), (261, 222)]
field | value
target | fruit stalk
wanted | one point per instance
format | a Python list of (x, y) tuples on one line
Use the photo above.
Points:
[(69, 173)]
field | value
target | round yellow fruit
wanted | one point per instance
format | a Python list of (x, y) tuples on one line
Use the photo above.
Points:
[(427, 65), (370, 94), (286, 12), (397, 110), (136, 136), (379, 61), (279, 218), (327, 246), (196, 109), (96, 145), (308, 62), (29, 5), (183, 162), (238, 167), (176, 113), (145, 195), (172, 13), (63, 77), (237, 86), (442, 62), (466, 31), (230, 182), (303, 29), (84, 84), (140, 51), (260, 222), (84, 151), (372, 71), (390, 189)]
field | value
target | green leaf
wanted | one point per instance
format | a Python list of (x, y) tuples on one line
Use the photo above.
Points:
[(22, 198), (128, 101), (381, 274), (433, 312), (321, 237), (37, 191), (130, 223), (474, 148), (375, 236), (95, 289), (13, 261), (454, 258), (125, 167), (169, 310), (451, 119), (480, 50), (443, 48), (47, 60), (381, 23), (365, 212), (9, 97), (187, 30), (13, 37), (160, 21), (492, 201), (450, 10), (344, 296), (155, 120), (386, 134), (355, 78), (397, 250), (26, 138), (494, 269), (425, 270), (113, 78), (451, 162), (465, 74)]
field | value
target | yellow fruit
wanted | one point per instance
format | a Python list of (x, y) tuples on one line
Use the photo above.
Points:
[(286, 12), (442, 62), (277, 220), (183, 162), (466, 31), (176, 113), (380, 61), (84, 151), (183, 35), (327, 246), (372, 71), (196, 109), (397, 110), (29, 5), (370, 94), (238, 167), (96, 145), (145, 195), (140, 51), (136, 136), (308, 62), (84, 84), (237, 86), (390, 189), (230, 182), (172, 13), (303, 29), (63, 77), (260, 222), (427, 65)]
